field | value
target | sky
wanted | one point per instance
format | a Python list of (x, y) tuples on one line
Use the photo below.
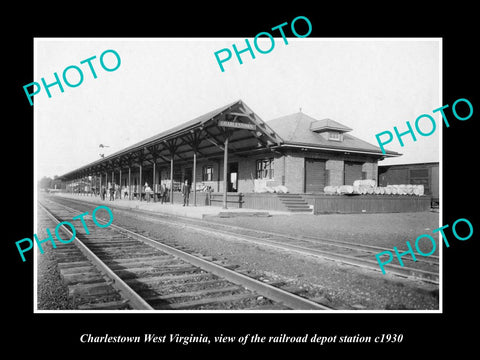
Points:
[(369, 85)]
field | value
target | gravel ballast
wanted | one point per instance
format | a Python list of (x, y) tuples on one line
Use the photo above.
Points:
[(340, 286)]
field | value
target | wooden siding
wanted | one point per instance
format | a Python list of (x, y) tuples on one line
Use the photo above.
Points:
[(322, 204), (426, 174), (249, 201), (344, 204), (234, 200), (263, 201)]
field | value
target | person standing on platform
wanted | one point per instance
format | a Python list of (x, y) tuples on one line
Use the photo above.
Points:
[(103, 191), (165, 193), (185, 192), (162, 192), (148, 191), (112, 192)]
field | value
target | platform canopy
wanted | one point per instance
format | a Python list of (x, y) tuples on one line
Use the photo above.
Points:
[(203, 137)]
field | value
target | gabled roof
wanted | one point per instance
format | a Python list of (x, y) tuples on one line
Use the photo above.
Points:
[(298, 129), (165, 135), (292, 130), (209, 143)]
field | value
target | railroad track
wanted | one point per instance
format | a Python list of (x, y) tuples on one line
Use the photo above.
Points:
[(360, 255), (117, 268), (88, 286)]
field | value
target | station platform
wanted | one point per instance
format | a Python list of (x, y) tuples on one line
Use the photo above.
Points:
[(197, 212)]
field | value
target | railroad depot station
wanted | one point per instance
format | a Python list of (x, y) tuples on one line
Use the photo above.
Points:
[(234, 159)]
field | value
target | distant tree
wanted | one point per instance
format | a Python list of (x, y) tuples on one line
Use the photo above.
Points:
[(58, 183), (45, 183)]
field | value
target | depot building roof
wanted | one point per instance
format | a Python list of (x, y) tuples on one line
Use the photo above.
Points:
[(247, 134), (301, 130)]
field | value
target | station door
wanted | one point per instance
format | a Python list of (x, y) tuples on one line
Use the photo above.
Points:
[(352, 172), (315, 175), (232, 184)]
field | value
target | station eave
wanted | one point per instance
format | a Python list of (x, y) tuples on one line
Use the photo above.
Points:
[(205, 124), (311, 146)]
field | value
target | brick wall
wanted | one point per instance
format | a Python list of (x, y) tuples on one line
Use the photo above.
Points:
[(334, 164), (371, 170), (279, 169), (217, 177), (289, 170), (246, 174), (335, 170), (294, 173)]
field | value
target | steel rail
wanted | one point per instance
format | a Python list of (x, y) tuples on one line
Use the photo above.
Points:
[(291, 300), (329, 242), (135, 300), (392, 269), (415, 274), (314, 240), (276, 294)]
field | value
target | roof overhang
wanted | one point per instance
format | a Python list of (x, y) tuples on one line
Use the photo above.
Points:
[(339, 150), (204, 136)]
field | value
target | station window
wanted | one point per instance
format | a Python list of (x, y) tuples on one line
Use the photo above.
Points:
[(335, 135), (264, 169), (207, 173)]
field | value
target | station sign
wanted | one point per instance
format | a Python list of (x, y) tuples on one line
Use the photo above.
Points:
[(237, 125)]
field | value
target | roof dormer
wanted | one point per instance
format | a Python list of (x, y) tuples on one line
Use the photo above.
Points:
[(329, 129)]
